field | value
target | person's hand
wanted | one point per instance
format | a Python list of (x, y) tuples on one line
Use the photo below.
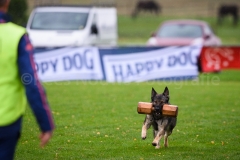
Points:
[(44, 138)]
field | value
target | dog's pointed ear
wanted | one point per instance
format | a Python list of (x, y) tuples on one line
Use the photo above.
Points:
[(166, 91), (154, 93)]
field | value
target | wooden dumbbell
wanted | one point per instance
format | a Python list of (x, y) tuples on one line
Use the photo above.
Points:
[(167, 110)]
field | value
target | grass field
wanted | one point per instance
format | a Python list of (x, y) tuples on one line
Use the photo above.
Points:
[(99, 120), (137, 31)]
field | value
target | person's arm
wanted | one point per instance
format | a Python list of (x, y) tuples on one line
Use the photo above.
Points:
[(35, 92)]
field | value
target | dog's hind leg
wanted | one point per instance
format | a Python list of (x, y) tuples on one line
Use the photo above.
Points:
[(167, 133), (146, 125), (166, 139)]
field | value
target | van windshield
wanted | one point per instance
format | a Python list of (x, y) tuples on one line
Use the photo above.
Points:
[(59, 21)]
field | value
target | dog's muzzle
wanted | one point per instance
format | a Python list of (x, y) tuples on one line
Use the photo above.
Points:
[(158, 110)]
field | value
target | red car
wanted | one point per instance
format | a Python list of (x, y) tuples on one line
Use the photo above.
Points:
[(184, 32)]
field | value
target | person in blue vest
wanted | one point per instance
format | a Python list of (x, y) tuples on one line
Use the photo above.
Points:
[(19, 85)]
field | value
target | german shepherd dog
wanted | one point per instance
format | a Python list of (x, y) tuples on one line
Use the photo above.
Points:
[(162, 125)]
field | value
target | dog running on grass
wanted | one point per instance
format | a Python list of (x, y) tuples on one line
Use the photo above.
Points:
[(162, 125)]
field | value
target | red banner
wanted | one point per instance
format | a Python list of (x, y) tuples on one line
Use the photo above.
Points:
[(214, 59)]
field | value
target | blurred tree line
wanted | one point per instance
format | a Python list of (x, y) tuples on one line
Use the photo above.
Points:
[(18, 11)]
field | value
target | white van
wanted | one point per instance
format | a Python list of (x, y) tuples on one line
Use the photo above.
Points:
[(58, 26)]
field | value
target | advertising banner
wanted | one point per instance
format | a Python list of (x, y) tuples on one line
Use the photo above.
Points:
[(219, 58), (69, 64), (171, 63)]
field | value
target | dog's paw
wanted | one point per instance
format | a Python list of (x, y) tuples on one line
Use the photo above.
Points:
[(143, 138), (157, 146), (154, 144), (144, 135), (166, 145)]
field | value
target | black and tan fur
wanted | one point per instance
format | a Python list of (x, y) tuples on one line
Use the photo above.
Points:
[(162, 125)]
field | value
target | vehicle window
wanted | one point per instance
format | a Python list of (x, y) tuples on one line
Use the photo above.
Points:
[(180, 30), (208, 30), (59, 21)]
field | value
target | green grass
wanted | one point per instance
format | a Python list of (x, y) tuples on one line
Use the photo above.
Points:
[(137, 31), (99, 120)]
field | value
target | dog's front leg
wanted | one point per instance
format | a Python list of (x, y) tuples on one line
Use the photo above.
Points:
[(146, 125), (155, 133), (156, 141)]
